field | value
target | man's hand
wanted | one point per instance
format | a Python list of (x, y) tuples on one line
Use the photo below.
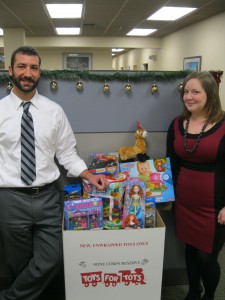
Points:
[(98, 180)]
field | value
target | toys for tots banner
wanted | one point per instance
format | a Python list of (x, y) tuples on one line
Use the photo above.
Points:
[(103, 263)]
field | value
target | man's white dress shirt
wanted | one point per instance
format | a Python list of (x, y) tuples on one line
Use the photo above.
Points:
[(53, 138)]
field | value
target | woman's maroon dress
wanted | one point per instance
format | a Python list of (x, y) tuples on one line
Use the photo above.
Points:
[(199, 180)]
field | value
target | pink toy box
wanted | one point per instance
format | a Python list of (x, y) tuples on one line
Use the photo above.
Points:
[(83, 214)]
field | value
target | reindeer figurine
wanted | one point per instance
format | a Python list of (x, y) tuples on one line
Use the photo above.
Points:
[(129, 152)]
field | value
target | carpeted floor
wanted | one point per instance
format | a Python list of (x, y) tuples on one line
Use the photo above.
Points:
[(179, 292)]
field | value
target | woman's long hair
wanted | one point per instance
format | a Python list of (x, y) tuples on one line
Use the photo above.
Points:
[(213, 107)]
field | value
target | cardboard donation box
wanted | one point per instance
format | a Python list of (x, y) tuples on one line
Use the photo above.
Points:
[(114, 264)]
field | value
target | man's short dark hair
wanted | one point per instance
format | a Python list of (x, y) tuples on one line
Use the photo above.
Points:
[(25, 50)]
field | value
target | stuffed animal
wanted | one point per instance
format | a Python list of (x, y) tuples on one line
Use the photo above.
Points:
[(131, 152)]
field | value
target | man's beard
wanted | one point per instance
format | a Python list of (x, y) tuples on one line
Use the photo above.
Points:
[(16, 82)]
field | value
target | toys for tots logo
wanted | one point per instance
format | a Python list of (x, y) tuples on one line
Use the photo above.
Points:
[(125, 277)]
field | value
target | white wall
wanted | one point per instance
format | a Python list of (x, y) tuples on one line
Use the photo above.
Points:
[(205, 38), (52, 58), (100, 47), (135, 59)]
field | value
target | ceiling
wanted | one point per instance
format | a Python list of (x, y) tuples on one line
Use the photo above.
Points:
[(102, 18)]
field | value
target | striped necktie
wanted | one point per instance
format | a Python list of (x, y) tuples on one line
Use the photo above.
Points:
[(28, 165)]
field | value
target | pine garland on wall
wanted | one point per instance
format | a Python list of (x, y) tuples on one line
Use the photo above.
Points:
[(134, 76)]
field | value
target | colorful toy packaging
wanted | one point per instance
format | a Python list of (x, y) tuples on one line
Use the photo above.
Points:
[(157, 175), (72, 191), (134, 204), (104, 163), (150, 212), (128, 202), (112, 199), (83, 214)]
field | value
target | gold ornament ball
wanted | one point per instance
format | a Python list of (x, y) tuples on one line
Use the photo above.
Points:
[(154, 88), (9, 86), (106, 88), (128, 88), (54, 85), (80, 86), (180, 87)]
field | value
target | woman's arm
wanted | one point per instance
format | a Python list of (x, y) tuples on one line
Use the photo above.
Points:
[(170, 152)]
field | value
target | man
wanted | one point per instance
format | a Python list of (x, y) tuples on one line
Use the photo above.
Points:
[(30, 208)]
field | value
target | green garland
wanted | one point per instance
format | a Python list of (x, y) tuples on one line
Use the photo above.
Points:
[(134, 76), (110, 75)]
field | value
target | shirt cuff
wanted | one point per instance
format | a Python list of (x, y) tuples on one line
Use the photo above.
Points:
[(77, 169)]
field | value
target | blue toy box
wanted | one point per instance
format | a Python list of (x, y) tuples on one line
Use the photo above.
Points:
[(72, 191), (157, 175)]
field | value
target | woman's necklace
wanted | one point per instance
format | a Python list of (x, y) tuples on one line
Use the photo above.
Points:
[(198, 138)]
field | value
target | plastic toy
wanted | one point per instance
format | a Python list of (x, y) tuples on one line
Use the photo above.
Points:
[(72, 191), (104, 163), (131, 152), (150, 212)]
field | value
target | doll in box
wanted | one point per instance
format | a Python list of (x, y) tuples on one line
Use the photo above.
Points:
[(136, 195), (135, 201)]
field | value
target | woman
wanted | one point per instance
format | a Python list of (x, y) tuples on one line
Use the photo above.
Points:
[(196, 147)]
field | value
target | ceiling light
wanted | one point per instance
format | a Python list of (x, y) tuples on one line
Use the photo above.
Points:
[(65, 11), (1, 31), (117, 49), (141, 32), (169, 13), (68, 31)]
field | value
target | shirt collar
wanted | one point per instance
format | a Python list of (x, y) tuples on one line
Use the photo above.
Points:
[(17, 101)]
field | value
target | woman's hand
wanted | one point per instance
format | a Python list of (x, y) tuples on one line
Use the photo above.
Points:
[(221, 216)]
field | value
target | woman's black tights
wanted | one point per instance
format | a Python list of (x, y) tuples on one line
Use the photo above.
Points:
[(202, 266)]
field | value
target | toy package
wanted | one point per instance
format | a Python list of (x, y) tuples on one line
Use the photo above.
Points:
[(72, 191), (83, 214), (150, 212), (112, 199), (134, 204), (157, 175), (104, 163)]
